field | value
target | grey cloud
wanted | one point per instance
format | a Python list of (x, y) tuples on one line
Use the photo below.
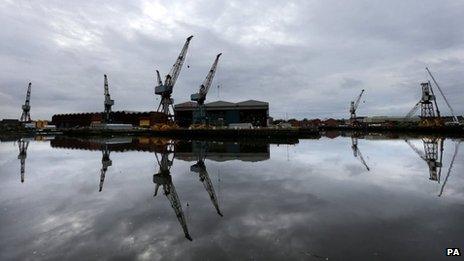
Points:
[(300, 56)]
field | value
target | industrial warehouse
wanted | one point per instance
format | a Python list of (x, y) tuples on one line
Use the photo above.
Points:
[(222, 113)]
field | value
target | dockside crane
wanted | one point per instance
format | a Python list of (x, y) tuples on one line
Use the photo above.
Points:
[(163, 178), (22, 145), (165, 89), (106, 162), (430, 114), (353, 107), (357, 152), (108, 102), (200, 168), (199, 115), (433, 148), (26, 116)]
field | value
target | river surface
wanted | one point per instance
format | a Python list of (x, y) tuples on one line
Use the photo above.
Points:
[(153, 199)]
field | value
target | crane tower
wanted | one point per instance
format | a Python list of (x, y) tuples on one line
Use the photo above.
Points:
[(429, 112), (199, 116), (165, 89), (108, 102), (353, 107), (26, 116)]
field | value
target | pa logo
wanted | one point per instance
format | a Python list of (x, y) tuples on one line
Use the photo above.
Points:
[(453, 252)]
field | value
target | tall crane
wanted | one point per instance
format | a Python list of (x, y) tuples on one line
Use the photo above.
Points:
[(26, 116), (433, 148), (200, 168), (22, 145), (108, 103), (357, 152), (163, 178), (165, 89), (106, 162), (455, 119), (427, 103), (353, 107), (199, 115)]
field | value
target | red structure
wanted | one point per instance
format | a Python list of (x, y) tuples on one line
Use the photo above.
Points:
[(76, 120)]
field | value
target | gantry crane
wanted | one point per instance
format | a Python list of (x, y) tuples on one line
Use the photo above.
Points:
[(199, 115), (106, 162), (456, 149), (163, 178), (165, 89), (353, 107), (22, 145), (433, 148), (357, 152), (26, 116), (430, 114), (200, 168), (108, 103)]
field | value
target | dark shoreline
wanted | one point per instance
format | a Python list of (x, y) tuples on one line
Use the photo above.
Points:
[(291, 135)]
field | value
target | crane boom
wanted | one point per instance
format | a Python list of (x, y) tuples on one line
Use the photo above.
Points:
[(416, 150), (358, 100), (204, 88), (413, 110), (171, 78), (455, 119), (354, 106), (200, 97)]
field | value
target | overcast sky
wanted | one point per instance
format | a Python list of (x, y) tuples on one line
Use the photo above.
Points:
[(306, 58)]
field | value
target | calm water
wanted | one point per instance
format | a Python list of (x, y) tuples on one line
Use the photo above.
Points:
[(314, 200)]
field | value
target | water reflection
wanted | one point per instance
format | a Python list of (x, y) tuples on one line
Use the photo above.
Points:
[(163, 178), (432, 155), (22, 145), (357, 152), (106, 162), (456, 149), (270, 208), (200, 168), (166, 151)]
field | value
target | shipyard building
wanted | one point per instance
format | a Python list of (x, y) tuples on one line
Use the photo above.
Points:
[(222, 113), (76, 120)]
